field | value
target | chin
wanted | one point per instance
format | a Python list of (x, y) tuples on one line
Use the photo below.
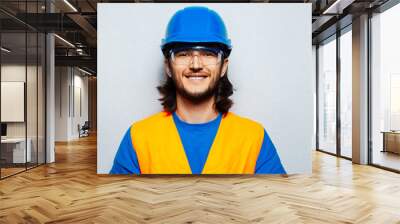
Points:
[(195, 89), (197, 96), (196, 93)]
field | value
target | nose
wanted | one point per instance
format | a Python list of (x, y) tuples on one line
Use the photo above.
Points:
[(196, 63)]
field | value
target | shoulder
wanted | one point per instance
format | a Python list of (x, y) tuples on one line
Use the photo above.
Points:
[(242, 122), (151, 121), (243, 126)]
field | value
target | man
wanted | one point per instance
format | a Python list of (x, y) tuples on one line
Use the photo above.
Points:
[(196, 133)]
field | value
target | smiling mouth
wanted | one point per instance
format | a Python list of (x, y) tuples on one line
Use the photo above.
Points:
[(196, 77)]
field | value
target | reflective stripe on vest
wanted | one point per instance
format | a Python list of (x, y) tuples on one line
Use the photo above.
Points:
[(160, 151)]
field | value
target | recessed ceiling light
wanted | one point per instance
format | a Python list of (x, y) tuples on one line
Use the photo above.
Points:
[(64, 40), (70, 5), (84, 71), (337, 7), (5, 50)]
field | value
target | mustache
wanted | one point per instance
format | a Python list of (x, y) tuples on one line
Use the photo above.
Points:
[(197, 74)]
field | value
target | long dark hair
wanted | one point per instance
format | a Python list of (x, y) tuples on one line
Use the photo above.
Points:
[(222, 102)]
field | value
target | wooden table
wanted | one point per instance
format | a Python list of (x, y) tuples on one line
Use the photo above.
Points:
[(14, 150), (391, 141)]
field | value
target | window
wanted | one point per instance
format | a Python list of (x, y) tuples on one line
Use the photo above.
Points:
[(327, 96), (346, 94), (385, 88)]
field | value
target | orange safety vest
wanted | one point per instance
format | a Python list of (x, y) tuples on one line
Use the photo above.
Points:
[(160, 151)]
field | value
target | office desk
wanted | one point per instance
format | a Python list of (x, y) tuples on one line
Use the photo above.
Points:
[(391, 141), (16, 147)]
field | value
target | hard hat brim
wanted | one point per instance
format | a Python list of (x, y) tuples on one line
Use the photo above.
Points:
[(223, 47)]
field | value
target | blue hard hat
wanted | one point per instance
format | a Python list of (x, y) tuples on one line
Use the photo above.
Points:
[(196, 24)]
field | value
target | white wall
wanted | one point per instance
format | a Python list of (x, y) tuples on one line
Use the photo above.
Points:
[(314, 74), (33, 127), (17, 72), (12, 101), (270, 68), (69, 82), (79, 117), (61, 103)]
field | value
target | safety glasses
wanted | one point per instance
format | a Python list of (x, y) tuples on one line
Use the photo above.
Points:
[(186, 56)]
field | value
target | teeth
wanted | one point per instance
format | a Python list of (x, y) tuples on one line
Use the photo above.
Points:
[(196, 77)]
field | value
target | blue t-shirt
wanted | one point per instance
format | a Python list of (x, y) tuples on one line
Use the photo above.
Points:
[(197, 140)]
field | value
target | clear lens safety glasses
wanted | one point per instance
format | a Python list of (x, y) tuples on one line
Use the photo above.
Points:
[(206, 56)]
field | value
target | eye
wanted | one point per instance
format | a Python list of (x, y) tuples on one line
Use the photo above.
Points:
[(209, 54), (182, 54)]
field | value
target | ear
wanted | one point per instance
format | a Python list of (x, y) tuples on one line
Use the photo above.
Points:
[(167, 68), (224, 67)]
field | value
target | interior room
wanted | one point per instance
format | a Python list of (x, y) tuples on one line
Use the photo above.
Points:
[(49, 75)]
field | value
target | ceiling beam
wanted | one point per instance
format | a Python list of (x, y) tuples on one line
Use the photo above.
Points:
[(86, 26), (84, 61)]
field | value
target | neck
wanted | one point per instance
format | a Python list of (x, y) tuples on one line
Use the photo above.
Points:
[(195, 113)]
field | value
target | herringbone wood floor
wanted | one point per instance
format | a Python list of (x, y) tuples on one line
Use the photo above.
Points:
[(69, 191)]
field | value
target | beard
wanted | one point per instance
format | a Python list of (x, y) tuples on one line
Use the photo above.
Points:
[(197, 97)]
